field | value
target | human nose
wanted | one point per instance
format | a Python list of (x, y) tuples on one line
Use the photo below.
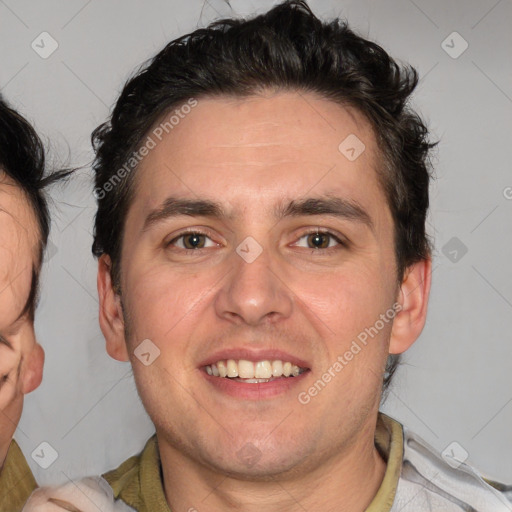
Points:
[(253, 292)]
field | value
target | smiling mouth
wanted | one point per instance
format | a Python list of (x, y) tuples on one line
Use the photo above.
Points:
[(251, 372)]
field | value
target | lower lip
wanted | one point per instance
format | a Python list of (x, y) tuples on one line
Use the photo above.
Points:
[(255, 391)]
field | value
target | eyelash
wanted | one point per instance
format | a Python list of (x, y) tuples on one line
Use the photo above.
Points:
[(327, 250)]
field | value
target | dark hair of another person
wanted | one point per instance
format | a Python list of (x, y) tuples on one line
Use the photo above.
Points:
[(290, 49), (22, 158)]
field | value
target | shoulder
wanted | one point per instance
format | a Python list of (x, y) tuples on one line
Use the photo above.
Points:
[(431, 481), (119, 490), (16, 480)]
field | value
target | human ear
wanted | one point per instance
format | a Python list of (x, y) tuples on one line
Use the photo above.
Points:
[(32, 369), (111, 312), (413, 299)]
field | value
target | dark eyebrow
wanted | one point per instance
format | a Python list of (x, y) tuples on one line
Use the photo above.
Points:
[(334, 206), (173, 207)]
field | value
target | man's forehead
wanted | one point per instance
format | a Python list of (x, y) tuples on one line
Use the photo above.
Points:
[(288, 151), (287, 119)]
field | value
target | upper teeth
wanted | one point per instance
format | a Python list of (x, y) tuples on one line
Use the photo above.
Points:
[(248, 370)]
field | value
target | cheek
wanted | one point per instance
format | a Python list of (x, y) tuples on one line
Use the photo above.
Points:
[(162, 302), (149, 290), (346, 300), (345, 309)]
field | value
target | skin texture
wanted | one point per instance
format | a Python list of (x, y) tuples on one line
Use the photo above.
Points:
[(21, 358), (253, 155)]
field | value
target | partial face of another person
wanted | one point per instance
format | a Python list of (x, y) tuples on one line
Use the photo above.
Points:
[(252, 237), (21, 358)]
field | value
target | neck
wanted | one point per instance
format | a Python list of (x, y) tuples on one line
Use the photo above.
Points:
[(343, 481)]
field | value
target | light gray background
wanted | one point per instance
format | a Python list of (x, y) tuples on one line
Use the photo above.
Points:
[(456, 384)]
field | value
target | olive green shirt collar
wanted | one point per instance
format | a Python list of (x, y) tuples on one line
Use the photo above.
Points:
[(138, 481), (16, 480)]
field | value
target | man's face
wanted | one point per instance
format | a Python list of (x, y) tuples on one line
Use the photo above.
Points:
[(322, 277), (20, 356)]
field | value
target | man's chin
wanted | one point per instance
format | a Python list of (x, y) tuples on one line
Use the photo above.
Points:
[(250, 455), (251, 464), (250, 444)]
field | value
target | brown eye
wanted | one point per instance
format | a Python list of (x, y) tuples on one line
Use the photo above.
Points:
[(318, 240), (192, 240)]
